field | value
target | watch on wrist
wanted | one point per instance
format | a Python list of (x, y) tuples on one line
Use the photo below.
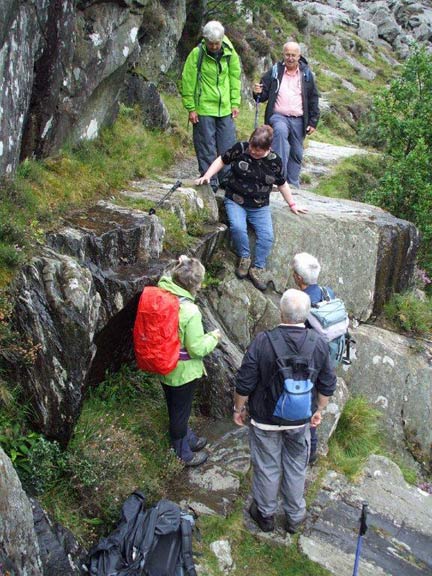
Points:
[(238, 410)]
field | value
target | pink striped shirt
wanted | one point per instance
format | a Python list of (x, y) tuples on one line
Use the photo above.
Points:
[(289, 99)]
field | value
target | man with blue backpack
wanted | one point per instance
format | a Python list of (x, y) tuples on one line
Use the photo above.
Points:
[(287, 379), (328, 317)]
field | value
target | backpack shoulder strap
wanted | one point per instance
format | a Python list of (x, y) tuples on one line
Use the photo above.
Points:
[(200, 58), (186, 546), (309, 344), (278, 343), (325, 293)]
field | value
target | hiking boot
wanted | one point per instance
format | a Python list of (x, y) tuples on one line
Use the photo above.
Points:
[(265, 523), (257, 276), (294, 527), (200, 442), (243, 268), (197, 459)]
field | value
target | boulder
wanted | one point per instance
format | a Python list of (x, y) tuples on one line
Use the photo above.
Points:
[(366, 254), (19, 549), (21, 42), (399, 524), (59, 551), (66, 297), (76, 302), (396, 378), (154, 112)]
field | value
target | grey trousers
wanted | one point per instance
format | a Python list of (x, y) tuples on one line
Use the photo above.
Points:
[(212, 136), (280, 461)]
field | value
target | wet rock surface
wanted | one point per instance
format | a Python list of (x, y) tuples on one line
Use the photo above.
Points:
[(396, 378), (19, 549), (398, 540)]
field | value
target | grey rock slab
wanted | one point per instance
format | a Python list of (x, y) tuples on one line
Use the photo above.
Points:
[(365, 252), (193, 198), (396, 378), (18, 542), (322, 152), (398, 540)]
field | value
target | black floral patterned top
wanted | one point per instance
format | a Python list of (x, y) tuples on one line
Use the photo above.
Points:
[(250, 181)]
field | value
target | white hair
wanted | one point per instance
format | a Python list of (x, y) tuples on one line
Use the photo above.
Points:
[(307, 267), (294, 306), (213, 31)]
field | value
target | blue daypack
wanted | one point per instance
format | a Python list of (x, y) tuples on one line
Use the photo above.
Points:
[(291, 391)]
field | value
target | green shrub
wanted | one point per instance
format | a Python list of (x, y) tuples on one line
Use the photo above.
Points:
[(356, 437), (410, 314)]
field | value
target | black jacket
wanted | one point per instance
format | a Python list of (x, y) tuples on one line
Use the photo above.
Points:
[(259, 364), (271, 82)]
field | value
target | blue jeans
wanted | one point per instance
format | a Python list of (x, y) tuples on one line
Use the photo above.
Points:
[(260, 220), (288, 139)]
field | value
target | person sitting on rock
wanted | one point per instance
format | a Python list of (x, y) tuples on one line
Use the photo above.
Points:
[(306, 269), (179, 384), (280, 453), (255, 168)]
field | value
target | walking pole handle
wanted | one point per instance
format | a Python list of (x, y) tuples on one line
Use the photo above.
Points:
[(363, 519)]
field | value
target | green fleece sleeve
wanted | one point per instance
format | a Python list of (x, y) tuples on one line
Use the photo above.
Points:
[(235, 81), (189, 80), (195, 341)]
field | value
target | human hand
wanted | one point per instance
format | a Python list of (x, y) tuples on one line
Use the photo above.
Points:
[(310, 130), (316, 419), (257, 88), (193, 117), (235, 112), (202, 180), (239, 418), (298, 209)]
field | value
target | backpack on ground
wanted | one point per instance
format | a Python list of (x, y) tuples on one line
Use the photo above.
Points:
[(152, 542), (330, 319), (156, 331), (291, 392)]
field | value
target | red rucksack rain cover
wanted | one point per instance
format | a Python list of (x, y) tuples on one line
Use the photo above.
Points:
[(156, 331)]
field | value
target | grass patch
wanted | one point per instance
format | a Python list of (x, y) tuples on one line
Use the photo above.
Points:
[(352, 178), (409, 314), (120, 444), (356, 437), (251, 556)]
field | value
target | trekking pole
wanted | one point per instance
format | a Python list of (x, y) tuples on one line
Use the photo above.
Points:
[(167, 195), (257, 101), (362, 532)]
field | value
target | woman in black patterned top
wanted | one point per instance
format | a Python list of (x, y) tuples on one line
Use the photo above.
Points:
[(255, 168)]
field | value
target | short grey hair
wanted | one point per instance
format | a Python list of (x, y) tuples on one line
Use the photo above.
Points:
[(294, 306), (188, 273), (213, 31), (306, 266)]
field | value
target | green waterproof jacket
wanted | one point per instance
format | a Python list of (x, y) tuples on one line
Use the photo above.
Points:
[(192, 337), (215, 89)]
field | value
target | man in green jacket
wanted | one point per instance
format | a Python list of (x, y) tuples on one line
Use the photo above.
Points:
[(211, 94)]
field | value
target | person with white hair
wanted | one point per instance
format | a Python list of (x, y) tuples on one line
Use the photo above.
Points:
[(280, 452), (292, 107), (211, 94), (306, 270)]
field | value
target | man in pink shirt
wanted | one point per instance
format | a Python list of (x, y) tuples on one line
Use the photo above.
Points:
[(292, 107)]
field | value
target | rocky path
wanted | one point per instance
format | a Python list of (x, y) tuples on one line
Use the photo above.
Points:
[(398, 541)]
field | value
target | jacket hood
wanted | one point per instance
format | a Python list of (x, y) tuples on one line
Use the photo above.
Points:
[(226, 44), (166, 283)]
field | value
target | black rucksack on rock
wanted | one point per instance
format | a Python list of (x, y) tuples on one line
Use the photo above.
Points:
[(152, 542)]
